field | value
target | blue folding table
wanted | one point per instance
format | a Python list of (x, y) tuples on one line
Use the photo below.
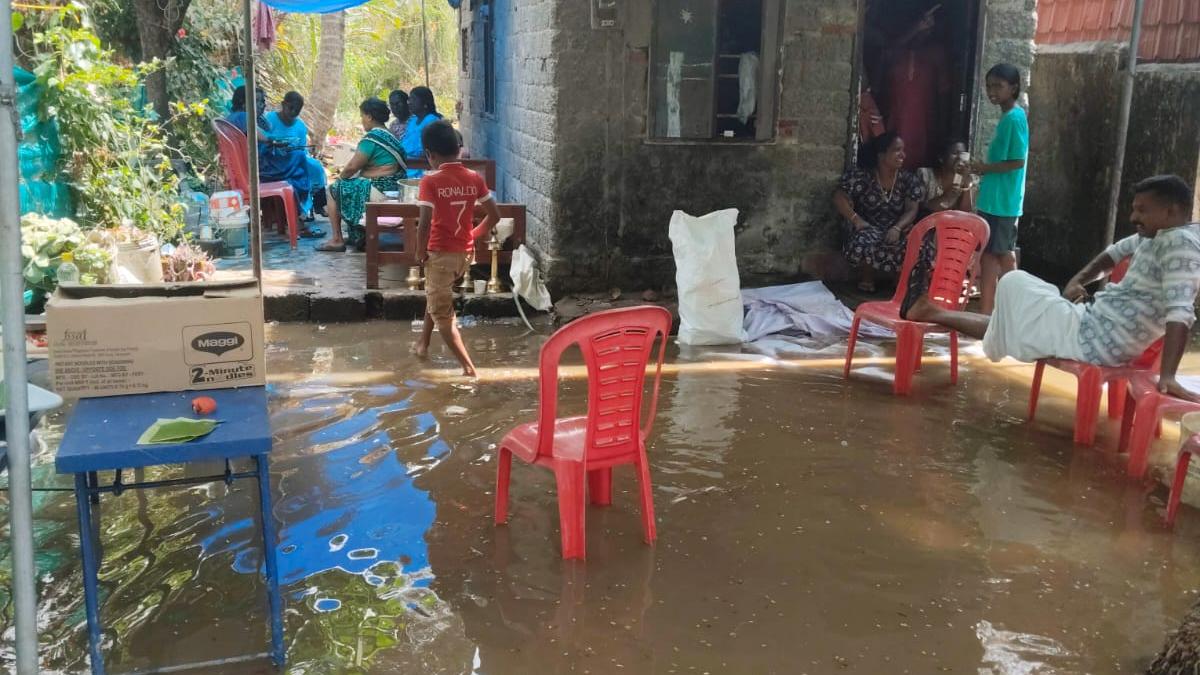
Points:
[(102, 435)]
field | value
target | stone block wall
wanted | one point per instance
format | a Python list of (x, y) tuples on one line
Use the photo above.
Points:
[(521, 134), (1008, 38), (616, 189), (1073, 126)]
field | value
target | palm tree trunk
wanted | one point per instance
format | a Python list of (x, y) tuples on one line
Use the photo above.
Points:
[(327, 81)]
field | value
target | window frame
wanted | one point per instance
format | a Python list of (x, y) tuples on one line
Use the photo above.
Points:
[(770, 81)]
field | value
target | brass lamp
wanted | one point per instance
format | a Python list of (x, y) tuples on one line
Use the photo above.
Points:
[(466, 287), (493, 285)]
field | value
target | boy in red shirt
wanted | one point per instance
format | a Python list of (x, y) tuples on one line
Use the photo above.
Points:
[(447, 198)]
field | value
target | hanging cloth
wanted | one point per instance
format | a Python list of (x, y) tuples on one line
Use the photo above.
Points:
[(747, 86), (264, 27)]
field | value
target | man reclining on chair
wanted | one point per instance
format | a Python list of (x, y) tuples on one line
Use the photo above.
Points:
[(1156, 298)]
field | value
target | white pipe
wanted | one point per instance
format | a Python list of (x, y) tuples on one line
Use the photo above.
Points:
[(252, 139), (16, 422), (1114, 191)]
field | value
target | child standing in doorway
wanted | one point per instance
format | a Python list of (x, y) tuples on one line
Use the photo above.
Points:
[(1002, 189), (447, 197)]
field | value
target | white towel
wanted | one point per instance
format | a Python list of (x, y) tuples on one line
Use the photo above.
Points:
[(748, 86)]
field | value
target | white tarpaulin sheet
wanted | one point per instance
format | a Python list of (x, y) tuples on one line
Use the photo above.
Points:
[(807, 309)]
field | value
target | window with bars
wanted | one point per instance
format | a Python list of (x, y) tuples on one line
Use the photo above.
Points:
[(714, 70)]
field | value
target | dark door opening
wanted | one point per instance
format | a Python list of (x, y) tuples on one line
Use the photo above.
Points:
[(919, 73)]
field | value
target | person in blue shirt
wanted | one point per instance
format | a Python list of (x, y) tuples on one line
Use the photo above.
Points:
[(424, 112), (286, 126), (277, 161), (1002, 188)]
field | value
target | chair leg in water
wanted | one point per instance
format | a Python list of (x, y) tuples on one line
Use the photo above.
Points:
[(571, 511)]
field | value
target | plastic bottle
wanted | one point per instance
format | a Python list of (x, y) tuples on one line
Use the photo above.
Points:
[(68, 273)]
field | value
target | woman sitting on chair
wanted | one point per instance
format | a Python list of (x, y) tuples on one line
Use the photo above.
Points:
[(376, 167), (880, 202), (277, 160)]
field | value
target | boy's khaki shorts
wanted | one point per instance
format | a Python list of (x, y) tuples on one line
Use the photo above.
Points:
[(442, 269)]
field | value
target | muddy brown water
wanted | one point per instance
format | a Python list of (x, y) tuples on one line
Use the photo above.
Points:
[(807, 525)]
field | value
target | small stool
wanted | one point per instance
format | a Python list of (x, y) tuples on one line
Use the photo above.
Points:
[(1189, 428)]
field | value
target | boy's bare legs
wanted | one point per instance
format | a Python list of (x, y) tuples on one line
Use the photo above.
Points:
[(449, 330), (968, 323), (422, 348), (993, 266)]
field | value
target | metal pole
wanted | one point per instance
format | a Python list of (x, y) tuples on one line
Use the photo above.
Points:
[(1114, 193), (425, 40), (12, 286), (252, 138)]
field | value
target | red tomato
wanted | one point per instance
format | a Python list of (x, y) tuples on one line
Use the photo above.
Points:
[(204, 405)]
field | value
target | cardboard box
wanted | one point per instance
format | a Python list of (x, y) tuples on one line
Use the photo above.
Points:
[(112, 340)]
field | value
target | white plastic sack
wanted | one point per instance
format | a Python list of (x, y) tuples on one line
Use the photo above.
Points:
[(527, 282), (706, 273)]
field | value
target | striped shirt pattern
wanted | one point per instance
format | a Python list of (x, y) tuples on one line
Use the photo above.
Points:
[(1159, 288)]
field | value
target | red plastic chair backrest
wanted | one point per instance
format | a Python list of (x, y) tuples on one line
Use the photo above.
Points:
[(960, 238), (231, 145), (1153, 353), (616, 346)]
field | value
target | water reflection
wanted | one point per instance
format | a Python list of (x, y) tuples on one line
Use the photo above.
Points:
[(807, 524)]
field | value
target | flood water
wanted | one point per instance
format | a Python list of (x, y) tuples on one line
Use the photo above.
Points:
[(807, 524)]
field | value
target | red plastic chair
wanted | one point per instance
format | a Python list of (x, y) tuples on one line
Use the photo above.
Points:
[(616, 345), (960, 239), (1190, 447), (1092, 378), (231, 143), (1145, 408)]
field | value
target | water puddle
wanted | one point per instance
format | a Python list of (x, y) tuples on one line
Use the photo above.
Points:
[(806, 523)]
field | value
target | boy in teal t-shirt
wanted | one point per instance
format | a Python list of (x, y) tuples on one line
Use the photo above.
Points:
[(1002, 189)]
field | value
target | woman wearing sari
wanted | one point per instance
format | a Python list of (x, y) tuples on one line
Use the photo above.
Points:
[(376, 168)]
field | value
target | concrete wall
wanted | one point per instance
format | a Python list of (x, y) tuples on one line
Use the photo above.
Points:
[(1073, 126), (521, 134), (616, 190), (570, 140)]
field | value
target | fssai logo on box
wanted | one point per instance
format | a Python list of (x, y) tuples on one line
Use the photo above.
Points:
[(219, 343)]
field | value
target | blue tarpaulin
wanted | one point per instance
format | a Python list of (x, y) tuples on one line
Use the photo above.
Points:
[(324, 6), (313, 6)]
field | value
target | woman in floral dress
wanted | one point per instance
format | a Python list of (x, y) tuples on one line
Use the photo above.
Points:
[(880, 202)]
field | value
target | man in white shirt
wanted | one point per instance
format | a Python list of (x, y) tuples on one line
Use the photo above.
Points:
[(1155, 299)]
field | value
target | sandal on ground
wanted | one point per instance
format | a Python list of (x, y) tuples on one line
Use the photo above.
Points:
[(332, 248), (311, 233)]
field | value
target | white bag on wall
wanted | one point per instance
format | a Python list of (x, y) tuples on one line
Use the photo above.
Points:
[(710, 296)]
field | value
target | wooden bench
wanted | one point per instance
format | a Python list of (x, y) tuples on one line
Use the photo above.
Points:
[(403, 218), (484, 167)]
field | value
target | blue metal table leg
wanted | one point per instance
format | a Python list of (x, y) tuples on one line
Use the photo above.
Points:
[(272, 568), (91, 571)]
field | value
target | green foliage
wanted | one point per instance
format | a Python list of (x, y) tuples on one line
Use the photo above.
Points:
[(116, 157), (44, 240), (383, 52)]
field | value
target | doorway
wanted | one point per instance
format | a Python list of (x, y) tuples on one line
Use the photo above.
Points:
[(918, 73)]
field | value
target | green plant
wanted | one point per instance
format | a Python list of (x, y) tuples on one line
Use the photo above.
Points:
[(116, 157), (44, 240)]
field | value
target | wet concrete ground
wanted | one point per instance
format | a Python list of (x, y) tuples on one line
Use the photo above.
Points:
[(807, 524), (309, 285)]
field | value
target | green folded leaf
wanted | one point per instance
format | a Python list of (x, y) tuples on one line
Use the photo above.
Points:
[(178, 430)]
